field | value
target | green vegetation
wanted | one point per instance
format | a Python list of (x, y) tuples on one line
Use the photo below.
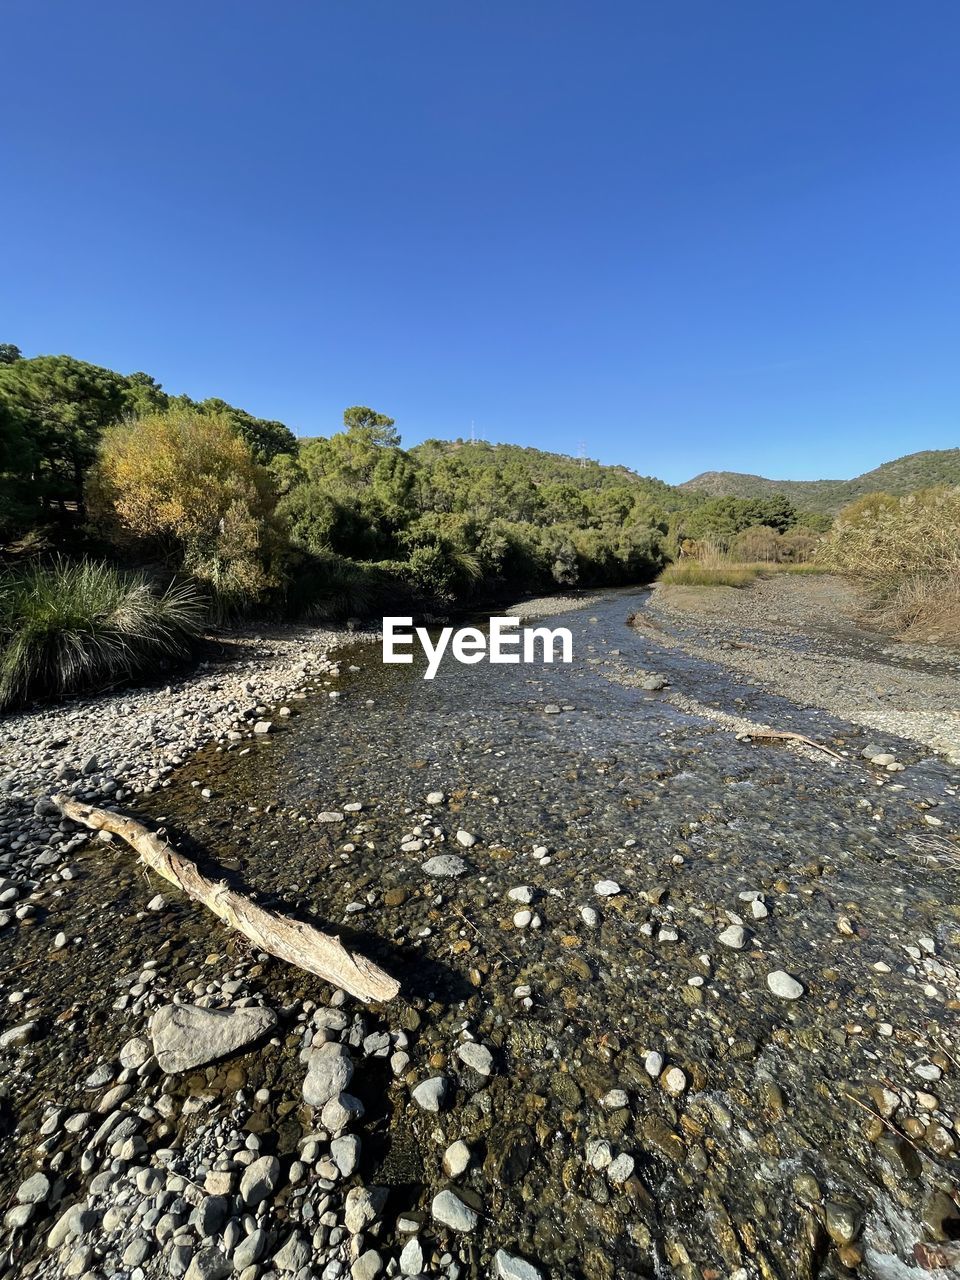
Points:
[(68, 627), (53, 411), (350, 524), (924, 470)]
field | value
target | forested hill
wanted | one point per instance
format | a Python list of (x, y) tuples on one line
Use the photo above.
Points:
[(903, 475), (549, 468)]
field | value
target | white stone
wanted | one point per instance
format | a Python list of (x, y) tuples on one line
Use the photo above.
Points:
[(783, 985)]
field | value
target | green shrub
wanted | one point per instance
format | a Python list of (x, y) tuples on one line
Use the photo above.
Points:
[(70, 627), (328, 586)]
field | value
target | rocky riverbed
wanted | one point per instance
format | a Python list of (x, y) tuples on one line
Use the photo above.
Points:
[(674, 1002)]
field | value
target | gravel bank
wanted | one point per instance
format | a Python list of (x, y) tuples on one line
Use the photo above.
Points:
[(798, 637), (548, 606), (131, 741)]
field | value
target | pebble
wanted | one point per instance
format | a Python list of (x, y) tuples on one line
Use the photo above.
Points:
[(653, 1063), (260, 1180), (446, 865), (430, 1094), (507, 1266), (783, 985), (606, 888), (674, 1081), (733, 936), (476, 1056), (456, 1159), (450, 1211), (466, 839)]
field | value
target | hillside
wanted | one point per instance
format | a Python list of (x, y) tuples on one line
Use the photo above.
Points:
[(547, 468), (902, 475)]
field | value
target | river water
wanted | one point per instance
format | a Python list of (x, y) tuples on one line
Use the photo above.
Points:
[(770, 1159)]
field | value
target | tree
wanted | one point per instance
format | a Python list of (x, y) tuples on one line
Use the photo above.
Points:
[(379, 427), (61, 406), (145, 395), (9, 354), (266, 437), (186, 482)]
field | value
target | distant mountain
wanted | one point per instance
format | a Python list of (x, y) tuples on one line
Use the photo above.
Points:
[(903, 475)]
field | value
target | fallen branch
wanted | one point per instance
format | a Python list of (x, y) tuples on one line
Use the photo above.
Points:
[(784, 735), (289, 940)]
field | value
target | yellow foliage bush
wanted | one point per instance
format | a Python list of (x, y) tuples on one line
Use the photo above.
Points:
[(188, 483)]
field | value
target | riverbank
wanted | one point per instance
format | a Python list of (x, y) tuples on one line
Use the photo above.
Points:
[(671, 1003), (800, 637), (111, 743)]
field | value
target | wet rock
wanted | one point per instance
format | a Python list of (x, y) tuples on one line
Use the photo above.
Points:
[(508, 1161), (620, 1168), (456, 1159), (476, 1056), (186, 1036), (783, 985), (430, 1094), (446, 865), (614, 1099), (507, 1266), (842, 1222), (450, 1211)]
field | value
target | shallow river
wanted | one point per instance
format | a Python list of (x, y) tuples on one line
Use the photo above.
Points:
[(771, 1156)]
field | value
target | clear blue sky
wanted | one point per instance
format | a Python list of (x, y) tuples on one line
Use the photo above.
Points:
[(693, 235)]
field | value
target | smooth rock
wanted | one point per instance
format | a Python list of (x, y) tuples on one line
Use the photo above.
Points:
[(449, 1210), (186, 1036), (456, 1159), (430, 1094), (476, 1056), (783, 985), (507, 1266), (260, 1180)]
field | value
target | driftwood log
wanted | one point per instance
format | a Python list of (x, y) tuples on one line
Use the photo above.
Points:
[(291, 940), (784, 735)]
